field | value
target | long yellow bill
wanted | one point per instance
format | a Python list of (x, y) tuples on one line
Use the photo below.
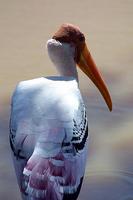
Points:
[(88, 66)]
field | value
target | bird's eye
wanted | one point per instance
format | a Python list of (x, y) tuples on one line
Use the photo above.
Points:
[(81, 38)]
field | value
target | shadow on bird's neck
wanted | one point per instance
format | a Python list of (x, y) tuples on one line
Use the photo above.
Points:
[(62, 56)]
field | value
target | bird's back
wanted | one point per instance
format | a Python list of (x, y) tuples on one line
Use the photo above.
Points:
[(45, 115)]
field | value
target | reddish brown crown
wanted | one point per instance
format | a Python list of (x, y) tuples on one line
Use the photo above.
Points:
[(69, 33)]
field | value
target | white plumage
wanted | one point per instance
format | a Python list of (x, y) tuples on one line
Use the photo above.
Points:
[(47, 114), (48, 124)]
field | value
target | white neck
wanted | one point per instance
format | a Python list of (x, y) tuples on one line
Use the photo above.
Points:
[(62, 56)]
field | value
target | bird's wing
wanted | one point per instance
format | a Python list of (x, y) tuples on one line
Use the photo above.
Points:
[(56, 168), (52, 146)]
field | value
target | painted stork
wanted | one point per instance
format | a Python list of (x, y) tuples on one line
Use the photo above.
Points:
[(48, 123)]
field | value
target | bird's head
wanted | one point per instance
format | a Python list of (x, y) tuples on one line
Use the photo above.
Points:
[(70, 34)]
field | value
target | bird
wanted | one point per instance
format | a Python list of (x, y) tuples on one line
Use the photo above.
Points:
[(48, 121)]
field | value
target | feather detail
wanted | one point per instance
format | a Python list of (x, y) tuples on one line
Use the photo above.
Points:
[(50, 178), (48, 138)]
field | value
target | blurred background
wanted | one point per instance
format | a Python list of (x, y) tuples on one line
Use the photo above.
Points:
[(25, 26)]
